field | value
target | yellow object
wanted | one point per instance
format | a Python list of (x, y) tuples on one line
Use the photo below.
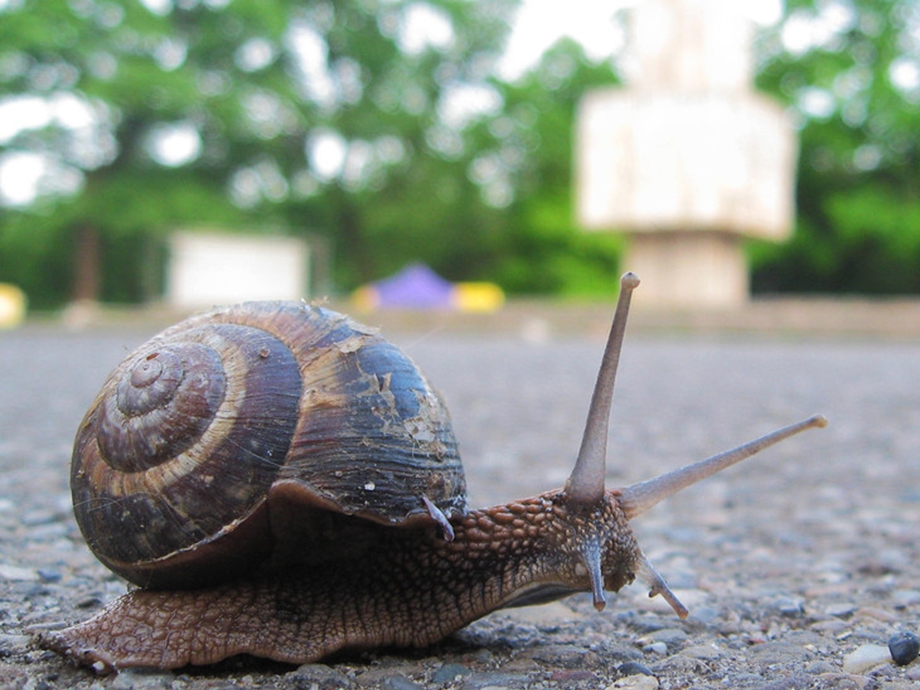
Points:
[(478, 296), (12, 305), (365, 298)]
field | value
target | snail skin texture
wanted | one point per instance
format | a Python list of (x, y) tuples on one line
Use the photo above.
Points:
[(280, 481)]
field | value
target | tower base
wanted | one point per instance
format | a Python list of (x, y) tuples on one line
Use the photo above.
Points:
[(699, 270)]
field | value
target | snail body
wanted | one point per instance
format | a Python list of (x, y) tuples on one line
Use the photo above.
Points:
[(283, 482), (408, 590)]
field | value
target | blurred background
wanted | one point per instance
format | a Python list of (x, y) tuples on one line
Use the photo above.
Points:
[(339, 142)]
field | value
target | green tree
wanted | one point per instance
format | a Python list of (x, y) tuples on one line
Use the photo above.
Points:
[(328, 117), (381, 126), (528, 165), (850, 71)]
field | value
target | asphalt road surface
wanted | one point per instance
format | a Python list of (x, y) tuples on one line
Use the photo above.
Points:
[(788, 563)]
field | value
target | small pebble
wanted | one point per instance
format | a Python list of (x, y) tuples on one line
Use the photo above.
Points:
[(142, 679), (449, 673), (841, 610), (659, 648), (576, 676), (49, 575), (670, 636), (494, 679), (399, 682), (744, 679), (10, 644), (866, 657), (38, 517), (875, 613), (633, 668), (787, 606), (705, 614), (821, 666), (89, 602), (832, 626), (646, 623), (702, 651), (639, 682), (906, 597), (318, 677), (904, 647), (14, 572), (562, 655)]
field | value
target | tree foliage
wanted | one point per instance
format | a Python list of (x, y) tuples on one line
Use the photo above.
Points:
[(324, 117), (381, 126), (851, 72), (542, 248)]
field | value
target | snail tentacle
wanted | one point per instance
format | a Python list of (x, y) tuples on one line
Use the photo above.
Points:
[(585, 485)]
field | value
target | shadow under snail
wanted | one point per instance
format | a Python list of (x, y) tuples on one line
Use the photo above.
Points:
[(281, 481)]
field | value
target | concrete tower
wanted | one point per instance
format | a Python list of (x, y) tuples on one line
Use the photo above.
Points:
[(687, 159)]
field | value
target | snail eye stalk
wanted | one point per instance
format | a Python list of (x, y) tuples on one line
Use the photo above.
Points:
[(585, 486)]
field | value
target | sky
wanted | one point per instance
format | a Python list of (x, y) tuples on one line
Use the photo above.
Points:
[(540, 23)]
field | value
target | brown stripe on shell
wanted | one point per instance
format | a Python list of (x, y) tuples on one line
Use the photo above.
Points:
[(372, 438), (383, 439), (202, 494), (158, 404), (373, 435)]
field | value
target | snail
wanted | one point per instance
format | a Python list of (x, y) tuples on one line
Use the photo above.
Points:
[(280, 481)]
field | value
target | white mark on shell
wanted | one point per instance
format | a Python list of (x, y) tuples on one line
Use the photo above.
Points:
[(419, 430), (370, 486), (349, 345)]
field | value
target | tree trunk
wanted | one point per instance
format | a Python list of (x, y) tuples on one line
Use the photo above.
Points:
[(88, 270)]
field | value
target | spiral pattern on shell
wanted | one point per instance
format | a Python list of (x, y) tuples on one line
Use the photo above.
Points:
[(177, 461)]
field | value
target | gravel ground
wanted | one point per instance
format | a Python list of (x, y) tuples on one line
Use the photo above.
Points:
[(789, 563)]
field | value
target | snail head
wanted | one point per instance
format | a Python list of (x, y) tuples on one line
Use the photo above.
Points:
[(585, 488)]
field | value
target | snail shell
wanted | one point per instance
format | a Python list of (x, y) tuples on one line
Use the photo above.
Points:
[(216, 439)]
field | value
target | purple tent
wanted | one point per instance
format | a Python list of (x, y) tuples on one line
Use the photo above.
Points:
[(415, 287)]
